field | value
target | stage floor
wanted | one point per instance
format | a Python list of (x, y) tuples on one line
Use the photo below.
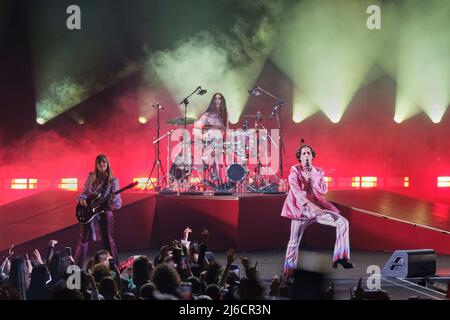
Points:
[(396, 206), (379, 220)]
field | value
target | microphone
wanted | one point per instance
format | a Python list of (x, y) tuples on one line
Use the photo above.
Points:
[(308, 166), (158, 106), (273, 112), (201, 91), (255, 91), (258, 116)]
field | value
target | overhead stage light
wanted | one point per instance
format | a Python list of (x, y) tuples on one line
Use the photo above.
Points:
[(40, 120), (421, 64), (143, 120), (326, 59)]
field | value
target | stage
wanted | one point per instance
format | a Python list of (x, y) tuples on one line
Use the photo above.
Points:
[(379, 221)]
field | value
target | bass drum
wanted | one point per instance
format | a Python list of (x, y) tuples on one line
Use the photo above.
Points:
[(236, 172), (179, 172)]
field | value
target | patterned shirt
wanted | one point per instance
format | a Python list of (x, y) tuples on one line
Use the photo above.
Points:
[(90, 189), (213, 119)]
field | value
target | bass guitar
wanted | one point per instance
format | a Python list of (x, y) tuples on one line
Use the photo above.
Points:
[(96, 205)]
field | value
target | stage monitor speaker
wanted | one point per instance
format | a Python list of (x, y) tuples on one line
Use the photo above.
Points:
[(191, 193), (411, 264)]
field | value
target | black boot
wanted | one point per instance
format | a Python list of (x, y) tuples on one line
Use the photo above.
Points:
[(345, 263)]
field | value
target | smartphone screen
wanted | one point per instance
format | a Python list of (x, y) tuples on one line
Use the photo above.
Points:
[(184, 262), (111, 263), (235, 270)]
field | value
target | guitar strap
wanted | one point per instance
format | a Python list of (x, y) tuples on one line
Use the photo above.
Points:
[(94, 224), (104, 187)]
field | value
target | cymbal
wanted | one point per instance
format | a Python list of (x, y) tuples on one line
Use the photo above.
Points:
[(180, 121)]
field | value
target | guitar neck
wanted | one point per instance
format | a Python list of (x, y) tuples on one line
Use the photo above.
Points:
[(131, 185)]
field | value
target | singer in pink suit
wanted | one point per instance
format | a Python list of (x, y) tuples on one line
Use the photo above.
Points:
[(306, 204)]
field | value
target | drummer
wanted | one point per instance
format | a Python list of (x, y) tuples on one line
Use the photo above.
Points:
[(215, 116)]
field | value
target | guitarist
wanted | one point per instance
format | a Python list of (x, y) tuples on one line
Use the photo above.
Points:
[(103, 182)]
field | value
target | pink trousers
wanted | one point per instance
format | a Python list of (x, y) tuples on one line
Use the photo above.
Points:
[(326, 217)]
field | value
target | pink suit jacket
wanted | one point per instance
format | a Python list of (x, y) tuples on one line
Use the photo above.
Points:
[(301, 204)]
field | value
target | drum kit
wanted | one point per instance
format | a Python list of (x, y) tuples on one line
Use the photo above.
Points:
[(207, 172), (224, 166)]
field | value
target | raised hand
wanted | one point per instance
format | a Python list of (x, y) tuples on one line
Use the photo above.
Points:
[(10, 251), (245, 262), (37, 255), (176, 246), (230, 256), (186, 233), (52, 243), (28, 263), (164, 250)]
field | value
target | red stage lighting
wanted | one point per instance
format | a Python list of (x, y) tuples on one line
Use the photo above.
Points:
[(143, 182), (364, 182), (369, 182), (443, 182), (23, 184), (69, 184)]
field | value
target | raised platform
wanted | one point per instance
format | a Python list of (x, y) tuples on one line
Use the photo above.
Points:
[(247, 222), (379, 221)]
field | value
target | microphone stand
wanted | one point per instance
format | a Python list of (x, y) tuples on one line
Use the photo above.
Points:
[(185, 102), (168, 135), (276, 110), (157, 162)]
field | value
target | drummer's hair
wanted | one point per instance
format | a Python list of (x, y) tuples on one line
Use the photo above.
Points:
[(212, 108), (299, 150)]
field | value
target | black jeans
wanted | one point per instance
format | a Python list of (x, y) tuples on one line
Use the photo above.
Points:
[(106, 223)]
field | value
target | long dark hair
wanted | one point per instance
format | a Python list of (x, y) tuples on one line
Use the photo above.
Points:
[(223, 107), (141, 273), (108, 288), (18, 277), (97, 174), (58, 265), (39, 278)]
